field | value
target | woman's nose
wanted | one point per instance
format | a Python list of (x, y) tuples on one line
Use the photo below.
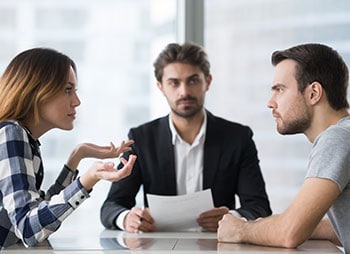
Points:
[(76, 101)]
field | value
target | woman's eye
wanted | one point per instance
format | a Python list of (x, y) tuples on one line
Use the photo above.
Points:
[(68, 90)]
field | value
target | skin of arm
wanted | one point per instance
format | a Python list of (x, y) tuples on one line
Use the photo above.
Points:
[(290, 228), (324, 230)]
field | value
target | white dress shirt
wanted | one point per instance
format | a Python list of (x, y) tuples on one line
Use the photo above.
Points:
[(189, 160)]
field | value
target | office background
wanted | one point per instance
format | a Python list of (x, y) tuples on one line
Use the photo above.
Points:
[(114, 43)]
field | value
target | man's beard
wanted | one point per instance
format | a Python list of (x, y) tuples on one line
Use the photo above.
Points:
[(295, 127), (188, 111)]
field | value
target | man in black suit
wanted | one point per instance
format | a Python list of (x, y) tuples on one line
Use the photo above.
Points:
[(187, 151)]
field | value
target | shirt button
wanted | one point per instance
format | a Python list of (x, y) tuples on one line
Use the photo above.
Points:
[(82, 197), (77, 202)]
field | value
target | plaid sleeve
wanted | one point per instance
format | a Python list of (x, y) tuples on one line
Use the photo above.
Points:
[(65, 177), (30, 218)]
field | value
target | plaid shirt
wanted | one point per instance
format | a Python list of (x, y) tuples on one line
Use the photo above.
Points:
[(26, 212)]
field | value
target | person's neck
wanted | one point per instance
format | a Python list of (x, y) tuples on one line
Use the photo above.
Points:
[(188, 128), (322, 121), (36, 130)]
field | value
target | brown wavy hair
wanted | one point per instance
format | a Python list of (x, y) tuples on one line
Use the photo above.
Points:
[(32, 78)]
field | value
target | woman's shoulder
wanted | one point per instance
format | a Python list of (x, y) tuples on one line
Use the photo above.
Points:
[(12, 130), (8, 123)]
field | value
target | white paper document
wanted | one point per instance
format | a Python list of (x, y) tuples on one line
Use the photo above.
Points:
[(179, 213)]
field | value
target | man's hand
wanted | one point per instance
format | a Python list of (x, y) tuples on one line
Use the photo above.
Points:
[(209, 219), (229, 229), (139, 220)]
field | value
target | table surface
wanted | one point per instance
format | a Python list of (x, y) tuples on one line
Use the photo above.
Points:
[(108, 241)]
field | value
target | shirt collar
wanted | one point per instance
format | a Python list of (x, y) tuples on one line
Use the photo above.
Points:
[(176, 136), (30, 135)]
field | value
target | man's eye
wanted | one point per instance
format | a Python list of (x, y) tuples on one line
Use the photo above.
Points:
[(174, 83), (194, 81), (278, 89)]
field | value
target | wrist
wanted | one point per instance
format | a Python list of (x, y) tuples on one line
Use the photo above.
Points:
[(88, 180), (74, 158), (120, 220)]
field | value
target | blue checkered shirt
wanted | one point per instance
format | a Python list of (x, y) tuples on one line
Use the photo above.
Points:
[(27, 213)]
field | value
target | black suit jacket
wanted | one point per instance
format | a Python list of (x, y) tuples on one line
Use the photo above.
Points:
[(231, 167)]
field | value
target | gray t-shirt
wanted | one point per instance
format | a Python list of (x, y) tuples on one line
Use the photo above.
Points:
[(330, 159)]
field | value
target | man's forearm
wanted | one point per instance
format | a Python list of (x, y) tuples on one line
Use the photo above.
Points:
[(271, 231), (268, 231), (324, 230)]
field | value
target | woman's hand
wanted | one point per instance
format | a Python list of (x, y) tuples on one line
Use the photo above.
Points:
[(106, 171), (88, 150)]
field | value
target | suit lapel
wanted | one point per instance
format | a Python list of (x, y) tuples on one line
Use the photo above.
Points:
[(211, 153), (167, 163)]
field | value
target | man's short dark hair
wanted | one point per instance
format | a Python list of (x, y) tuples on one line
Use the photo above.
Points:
[(317, 62), (188, 53)]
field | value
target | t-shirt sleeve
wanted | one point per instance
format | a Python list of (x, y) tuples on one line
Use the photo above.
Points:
[(330, 157)]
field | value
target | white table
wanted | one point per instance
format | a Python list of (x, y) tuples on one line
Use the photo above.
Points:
[(108, 241)]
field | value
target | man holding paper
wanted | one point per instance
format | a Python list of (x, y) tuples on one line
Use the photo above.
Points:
[(188, 151)]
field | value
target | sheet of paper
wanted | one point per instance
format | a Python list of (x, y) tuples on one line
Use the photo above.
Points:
[(179, 213)]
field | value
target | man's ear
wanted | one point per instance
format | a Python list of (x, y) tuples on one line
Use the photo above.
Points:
[(159, 84), (160, 87), (208, 80), (315, 92)]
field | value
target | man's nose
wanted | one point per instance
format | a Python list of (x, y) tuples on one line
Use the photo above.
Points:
[(183, 88), (271, 103)]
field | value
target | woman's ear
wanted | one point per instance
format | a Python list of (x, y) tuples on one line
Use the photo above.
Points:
[(314, 92)]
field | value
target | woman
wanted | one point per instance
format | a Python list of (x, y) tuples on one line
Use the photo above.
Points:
[(37, 94)]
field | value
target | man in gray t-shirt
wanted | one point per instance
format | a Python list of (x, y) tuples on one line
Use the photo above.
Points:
[(330, 159), (309, 96)]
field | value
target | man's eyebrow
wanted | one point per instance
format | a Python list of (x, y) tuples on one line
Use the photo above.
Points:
[(187, 78), (172, 79), (278, 85), (193, 76)]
